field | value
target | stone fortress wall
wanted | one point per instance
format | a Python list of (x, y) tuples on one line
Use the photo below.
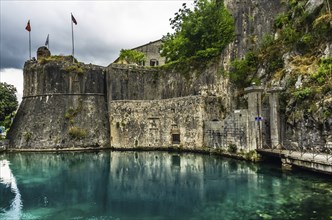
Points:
[(61, 108)]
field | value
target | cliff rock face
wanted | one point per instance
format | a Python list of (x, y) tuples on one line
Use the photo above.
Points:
[(253, 19), (63, 106)]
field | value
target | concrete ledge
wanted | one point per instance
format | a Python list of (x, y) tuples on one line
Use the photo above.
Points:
[(57, 149), (64, 94), (254, 89), (305, 161), (310, 165)]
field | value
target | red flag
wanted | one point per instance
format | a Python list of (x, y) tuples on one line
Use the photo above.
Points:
[(73, 19), (28, 27)]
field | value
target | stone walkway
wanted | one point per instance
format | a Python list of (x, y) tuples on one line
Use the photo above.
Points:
[(314, 161), (307, 156)]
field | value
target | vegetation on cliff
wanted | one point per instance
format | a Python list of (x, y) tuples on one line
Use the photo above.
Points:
[(202, 32), (297, 57), (299, 36)]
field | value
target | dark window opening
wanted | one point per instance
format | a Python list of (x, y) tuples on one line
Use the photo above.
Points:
[(176, 138), (154, 62)]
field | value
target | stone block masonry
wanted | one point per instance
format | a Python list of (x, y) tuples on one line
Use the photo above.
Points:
[(176, 122), (129, 82), (64, 106)]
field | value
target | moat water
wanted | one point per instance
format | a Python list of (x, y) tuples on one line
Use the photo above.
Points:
[(155, 185)]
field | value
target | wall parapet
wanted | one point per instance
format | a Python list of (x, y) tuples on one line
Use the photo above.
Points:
[(127, 82)]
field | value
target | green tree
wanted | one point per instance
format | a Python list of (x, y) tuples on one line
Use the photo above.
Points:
[(132, 56), (8, 100), (203, 31)]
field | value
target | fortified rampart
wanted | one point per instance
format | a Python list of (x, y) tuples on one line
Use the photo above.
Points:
[(158, 109), (63, 106), (130, 82)]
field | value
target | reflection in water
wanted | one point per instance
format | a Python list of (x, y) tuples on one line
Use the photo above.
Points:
[(8, 180), (159, 185)]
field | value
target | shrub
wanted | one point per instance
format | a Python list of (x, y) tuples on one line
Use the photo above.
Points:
[(77, 132), (27, 136), (74, 68), (281, 20), (324, 72), (232, 148), (302, 93)]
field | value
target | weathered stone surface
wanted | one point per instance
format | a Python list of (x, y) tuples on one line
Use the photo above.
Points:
[(153, 123), (42, 123), (135, 83), (313, 5), (43, 52), (253, 19), (62, 107), (62, 77)]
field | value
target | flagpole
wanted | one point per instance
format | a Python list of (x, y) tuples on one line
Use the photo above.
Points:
[(72, 36), (29, 45)]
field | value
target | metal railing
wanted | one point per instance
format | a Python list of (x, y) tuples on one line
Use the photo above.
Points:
[(321, 150)]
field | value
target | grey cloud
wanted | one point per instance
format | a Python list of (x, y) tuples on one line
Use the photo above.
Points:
[(104, 27)]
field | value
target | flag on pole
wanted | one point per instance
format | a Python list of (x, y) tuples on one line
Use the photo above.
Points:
[(46, 42), (73, 19), (28, 27)]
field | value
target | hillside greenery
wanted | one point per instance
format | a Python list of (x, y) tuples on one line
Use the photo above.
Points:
[(293, 57), (297, 32)]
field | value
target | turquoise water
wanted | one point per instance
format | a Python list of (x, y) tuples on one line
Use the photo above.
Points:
[(155, 185)]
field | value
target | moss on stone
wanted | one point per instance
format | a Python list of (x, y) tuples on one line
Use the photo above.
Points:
[(77, 133), (74, 68)]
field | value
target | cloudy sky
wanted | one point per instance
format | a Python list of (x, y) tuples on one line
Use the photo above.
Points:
[(103, 29)]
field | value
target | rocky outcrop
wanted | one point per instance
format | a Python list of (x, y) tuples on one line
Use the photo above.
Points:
[(313, 5), (253, 20)]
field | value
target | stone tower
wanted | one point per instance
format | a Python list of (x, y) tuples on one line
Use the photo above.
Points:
[(63, 106)]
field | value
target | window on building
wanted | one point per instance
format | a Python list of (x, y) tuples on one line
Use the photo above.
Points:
[(154, 62), (175, 138)]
